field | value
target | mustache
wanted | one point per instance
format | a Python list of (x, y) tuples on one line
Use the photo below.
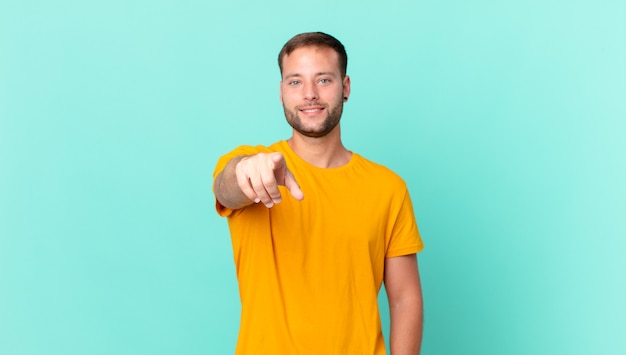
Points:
[(311, 105)]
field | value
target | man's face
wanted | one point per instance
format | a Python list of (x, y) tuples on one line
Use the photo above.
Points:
[(312, 90)]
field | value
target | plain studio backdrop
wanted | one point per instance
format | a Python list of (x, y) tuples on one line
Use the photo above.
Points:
[(506, 120)]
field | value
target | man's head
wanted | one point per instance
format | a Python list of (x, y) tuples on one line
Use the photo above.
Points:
[(315, 39), (314, 83)]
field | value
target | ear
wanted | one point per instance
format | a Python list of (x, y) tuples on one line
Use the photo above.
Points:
[(346, 88), (280, 91)]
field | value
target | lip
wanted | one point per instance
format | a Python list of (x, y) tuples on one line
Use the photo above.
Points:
[(311, 110)]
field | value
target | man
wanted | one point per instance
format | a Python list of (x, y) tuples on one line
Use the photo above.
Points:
[(316, 228)]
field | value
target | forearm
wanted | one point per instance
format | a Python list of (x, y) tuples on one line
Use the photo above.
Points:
[(407, 320), (226, 188)]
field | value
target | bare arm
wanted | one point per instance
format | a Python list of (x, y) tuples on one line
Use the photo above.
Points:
[(254, 178), (406, 308)]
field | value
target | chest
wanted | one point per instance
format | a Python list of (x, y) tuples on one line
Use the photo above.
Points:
[(331, 218)]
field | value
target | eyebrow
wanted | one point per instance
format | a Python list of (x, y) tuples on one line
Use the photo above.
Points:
[(292, 75)]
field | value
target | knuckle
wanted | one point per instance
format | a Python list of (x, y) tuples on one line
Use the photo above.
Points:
[(257, 185)]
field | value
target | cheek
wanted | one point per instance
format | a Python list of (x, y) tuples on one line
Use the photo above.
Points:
[(338, 96), (291, 97), (287, 100)]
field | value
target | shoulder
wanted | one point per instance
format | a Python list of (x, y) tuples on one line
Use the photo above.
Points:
[(378, 172), (253, 149), (244, 150), (250, 149)]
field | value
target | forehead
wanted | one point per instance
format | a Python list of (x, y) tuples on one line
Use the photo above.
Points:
[(311, 58)]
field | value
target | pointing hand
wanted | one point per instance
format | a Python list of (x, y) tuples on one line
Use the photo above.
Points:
[(259, 176)]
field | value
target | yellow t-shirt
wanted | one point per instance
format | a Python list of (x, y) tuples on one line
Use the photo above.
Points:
[(310, 271)]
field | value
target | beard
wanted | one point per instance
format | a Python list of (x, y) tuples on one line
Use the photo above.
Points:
[(333, 116)]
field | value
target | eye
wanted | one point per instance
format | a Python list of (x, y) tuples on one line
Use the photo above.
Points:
[(324, 81), (294, 82)]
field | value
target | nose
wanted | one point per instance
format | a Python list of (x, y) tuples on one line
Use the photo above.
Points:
[(310, 92)]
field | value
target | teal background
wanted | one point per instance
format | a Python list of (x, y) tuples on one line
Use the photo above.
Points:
[(506, 119)]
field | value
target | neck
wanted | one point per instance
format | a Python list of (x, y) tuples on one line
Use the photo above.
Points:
[(323, 152)]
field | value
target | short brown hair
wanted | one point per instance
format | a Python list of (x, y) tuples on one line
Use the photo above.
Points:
[(315, 39)]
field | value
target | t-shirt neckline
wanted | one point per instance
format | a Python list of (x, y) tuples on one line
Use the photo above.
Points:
[(290, 151)]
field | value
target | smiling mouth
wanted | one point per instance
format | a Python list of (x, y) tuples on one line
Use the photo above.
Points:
[(311, 109)]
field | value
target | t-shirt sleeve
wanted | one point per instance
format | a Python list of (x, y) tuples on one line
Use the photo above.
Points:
[(221, 164), (405, 238)]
